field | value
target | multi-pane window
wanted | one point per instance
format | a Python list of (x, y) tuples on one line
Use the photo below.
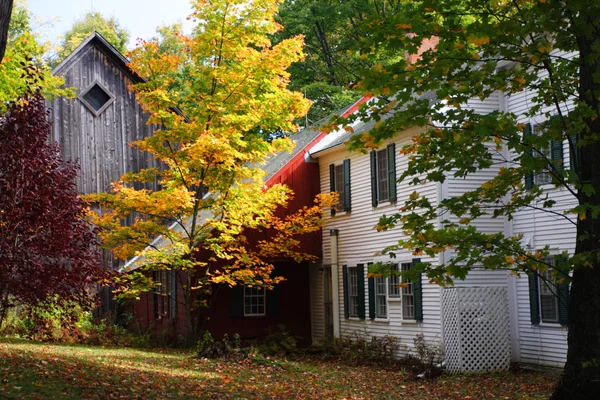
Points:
[(395, 290), (380, 298), (408, 295), (353, 291), (339, 183), (542, 177), (254, 301), (548, 294), (382, 176), (161, 294)]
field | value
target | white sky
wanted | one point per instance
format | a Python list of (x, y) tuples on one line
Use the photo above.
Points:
[(139, 17)]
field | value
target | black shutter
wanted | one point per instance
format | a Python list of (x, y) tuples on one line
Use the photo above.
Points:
[(563, 293), (557, 154), (534, 299), (418, 294), (347, 197), (529, 177), (346, 294), (374, 178), (574, 154), (391, 156), (372, 310), (173, 307), (273, 302), (360, 275), (236, 301), (332, 184)]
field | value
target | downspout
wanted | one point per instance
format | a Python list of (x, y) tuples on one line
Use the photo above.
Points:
[(335, 295)]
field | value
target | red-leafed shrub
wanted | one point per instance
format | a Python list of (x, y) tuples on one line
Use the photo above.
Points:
[(47, 245)]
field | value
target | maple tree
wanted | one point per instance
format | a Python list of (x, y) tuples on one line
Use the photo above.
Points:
[(47, 245), (548, 48), (231, 87)]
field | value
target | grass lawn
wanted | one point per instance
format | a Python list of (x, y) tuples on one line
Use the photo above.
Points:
[(31, 370)]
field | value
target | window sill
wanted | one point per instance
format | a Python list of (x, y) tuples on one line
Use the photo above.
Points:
[(384, 204), (394, 300), (410, 322), (340, 214), (381, 320), (551, 325), (355, 319)]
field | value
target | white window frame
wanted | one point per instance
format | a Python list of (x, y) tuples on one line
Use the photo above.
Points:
[(382, 175), (381, 297), (394, 282), (543, 177), (408, 295), (338, 183), (353, 292), (253, 295), (547, 290)]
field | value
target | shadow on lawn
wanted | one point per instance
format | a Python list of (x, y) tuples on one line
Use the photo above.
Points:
[(40, 371)]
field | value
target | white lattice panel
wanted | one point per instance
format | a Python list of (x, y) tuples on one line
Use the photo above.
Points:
[(476, 329)]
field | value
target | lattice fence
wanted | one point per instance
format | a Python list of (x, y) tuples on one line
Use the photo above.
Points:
[(476, 328)]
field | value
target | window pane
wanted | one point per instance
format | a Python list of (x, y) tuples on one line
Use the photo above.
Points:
[(339, 183), (254, 301), (408, 298), (380, 298), (548, 294), (542, 177), (394, 289), (96, 97), (382, 176)]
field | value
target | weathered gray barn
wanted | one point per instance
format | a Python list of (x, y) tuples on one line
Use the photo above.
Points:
[(97, 126)]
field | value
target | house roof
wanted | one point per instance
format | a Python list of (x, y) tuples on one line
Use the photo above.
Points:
[(342, 136)]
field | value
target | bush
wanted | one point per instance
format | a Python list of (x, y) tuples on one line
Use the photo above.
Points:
[(278, 343), (426, 363), (104, 332), (358, 350), (51, 321), (207, 347)]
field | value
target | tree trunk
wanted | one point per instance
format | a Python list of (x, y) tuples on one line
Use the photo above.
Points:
[(581, 376), (5, 13)]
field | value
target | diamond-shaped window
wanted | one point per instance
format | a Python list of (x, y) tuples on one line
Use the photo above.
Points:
[(96, 98)]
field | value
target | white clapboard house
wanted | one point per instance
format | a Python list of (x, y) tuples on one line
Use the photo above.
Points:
[(485, 322)]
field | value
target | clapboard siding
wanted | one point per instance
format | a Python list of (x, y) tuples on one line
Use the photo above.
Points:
[(542, 344), (358, 242)]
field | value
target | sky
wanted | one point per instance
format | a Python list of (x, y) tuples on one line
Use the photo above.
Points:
[(139, 17)]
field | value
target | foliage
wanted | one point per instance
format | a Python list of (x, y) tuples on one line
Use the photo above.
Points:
[(357, 350), (333, 64), (104, 332), (47, 245), (549, 50), (92, 21), (52, 320), (41, 371), (278, 342), (22, 69), (207, 347), (429, 355), (212, 191)]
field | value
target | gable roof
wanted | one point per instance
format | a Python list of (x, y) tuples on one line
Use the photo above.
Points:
[(118, 59), (107, 49)]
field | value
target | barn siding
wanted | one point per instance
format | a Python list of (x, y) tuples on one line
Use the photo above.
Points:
[(101, 144)]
